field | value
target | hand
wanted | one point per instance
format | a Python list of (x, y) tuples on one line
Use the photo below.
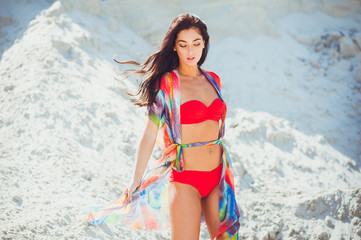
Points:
[(130, 189)]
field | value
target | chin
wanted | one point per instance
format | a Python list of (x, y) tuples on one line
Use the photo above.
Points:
[(195, 63)]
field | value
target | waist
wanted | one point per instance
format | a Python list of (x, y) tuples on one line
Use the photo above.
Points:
[(173, 153), (202, 158), (197, 144)]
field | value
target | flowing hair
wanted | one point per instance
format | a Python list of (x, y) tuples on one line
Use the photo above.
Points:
[(165, 59)]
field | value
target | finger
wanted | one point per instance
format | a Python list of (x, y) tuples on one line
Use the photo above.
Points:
[(130, 195), (125, 192)]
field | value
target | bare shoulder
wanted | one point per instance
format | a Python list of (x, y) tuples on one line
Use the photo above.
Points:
[(216, 78)]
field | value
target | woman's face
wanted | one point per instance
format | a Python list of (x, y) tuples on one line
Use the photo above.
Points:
[(189, 46)]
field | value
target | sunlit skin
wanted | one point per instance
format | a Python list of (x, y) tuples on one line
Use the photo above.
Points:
[(185, 201), (195, 86)]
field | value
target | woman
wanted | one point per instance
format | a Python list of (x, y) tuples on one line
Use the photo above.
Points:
[(193, 181)]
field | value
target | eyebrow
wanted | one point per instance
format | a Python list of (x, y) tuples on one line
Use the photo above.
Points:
[(193, 40)]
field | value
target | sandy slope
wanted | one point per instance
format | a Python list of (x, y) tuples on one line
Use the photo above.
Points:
[(291, 79)]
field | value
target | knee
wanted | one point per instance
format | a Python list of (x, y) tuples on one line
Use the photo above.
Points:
[(213, 226)]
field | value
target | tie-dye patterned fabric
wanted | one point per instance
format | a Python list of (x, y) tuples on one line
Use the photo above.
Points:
[(149, 207)]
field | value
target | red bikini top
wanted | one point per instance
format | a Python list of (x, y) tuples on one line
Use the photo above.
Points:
[(195, 111)]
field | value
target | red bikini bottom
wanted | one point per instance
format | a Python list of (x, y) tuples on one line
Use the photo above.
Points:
[(203, 181)]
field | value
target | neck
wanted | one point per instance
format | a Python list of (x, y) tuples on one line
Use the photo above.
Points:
[(189, 71)]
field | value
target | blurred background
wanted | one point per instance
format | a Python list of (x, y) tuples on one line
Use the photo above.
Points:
[(291, 77)]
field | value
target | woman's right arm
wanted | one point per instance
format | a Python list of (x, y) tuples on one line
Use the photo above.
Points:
[(143, 153)]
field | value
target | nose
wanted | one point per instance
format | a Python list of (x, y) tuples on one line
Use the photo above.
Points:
[(190, 49)]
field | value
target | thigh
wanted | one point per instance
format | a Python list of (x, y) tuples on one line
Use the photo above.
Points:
[(210, 209), (185, 211)]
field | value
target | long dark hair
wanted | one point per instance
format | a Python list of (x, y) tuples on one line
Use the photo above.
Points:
[(165, 59)]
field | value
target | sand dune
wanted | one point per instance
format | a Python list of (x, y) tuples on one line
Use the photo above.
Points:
[(291, 78)]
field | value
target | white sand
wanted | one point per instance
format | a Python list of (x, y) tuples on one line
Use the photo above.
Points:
[(291, 77)]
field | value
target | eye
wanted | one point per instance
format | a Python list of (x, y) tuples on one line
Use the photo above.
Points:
[(182, 46), (197, 44)]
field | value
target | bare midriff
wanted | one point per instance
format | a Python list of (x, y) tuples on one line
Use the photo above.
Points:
[(201, 158)]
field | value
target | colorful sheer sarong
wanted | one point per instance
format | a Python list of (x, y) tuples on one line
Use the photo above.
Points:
[(149, 207)]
